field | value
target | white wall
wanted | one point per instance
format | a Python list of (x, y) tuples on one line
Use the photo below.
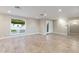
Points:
[(74, 26), (32, 25), (60, 26), (43, 27), (4, 25)]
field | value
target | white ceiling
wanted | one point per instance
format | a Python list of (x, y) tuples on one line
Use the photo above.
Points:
[(35, 11)]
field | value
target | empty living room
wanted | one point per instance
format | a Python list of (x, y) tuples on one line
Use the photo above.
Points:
[(39, 29)]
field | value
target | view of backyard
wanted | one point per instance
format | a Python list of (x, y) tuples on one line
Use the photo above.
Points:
[(17, 26)]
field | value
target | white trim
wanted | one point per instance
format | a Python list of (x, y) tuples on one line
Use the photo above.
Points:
[(13, 36), (60, 33)]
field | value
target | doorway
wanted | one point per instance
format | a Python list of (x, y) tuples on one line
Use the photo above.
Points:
[(49, 26), (74, 28)]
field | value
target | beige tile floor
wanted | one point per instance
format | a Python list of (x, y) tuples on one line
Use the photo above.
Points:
[(40, 44)]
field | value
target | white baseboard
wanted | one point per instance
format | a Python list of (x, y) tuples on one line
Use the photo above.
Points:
[(60, 33), (12, 36), (17, 35)]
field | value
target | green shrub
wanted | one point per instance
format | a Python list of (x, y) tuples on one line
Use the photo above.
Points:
[(17, 21), (13, 30)]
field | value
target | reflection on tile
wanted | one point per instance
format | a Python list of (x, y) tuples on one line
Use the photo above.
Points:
[(40, 43)]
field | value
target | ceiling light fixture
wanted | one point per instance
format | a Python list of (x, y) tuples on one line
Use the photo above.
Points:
[(9, 11), (59, 10)]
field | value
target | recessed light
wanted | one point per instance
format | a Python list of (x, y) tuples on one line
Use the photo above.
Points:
[(9, 11), (60, 10)]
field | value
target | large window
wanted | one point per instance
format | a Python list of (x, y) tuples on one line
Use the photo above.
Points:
[(17, 26)]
